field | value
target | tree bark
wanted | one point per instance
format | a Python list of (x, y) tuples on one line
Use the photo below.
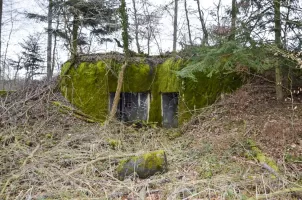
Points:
[(175, 25), (233, 25), (49, 40), (1, 11), (205, 40), (149, 25), (278, 72), (148, 41), (287, 25), (188, 23), (54, 48), (136, 27), (117, 92), (217, 13), (75, 29), (124, 19), (4, 56)]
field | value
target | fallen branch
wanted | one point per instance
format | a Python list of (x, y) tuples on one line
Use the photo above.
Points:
[(78, 114), (280, 192), (30, 155), (16, 176), (117, 93)]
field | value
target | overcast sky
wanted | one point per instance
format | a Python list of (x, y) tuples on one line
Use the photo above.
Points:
[(17, 29)]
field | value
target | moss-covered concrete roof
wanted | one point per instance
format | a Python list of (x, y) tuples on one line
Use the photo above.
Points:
[(119, 57)]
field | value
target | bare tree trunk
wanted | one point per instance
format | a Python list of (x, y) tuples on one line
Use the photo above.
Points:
[(54, 48), (175, 25), (15, 77), (188, 23), (75, 29), (7, 45), (117, 92), (1, 11), (278, 72), (124, 18), (218, 6), (49, 40), (149, 40), (234, 16), (149, 34), (136, 27), (149, 25), (218, 14), (160, 51), (53, 63), (286, 26), (205, 40), (18, 67)]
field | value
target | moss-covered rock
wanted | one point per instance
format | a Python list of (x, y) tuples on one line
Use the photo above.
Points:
[(143, 166)]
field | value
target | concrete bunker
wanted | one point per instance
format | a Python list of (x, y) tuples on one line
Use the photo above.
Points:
[(151, 90), (170, 109), (132, 106)]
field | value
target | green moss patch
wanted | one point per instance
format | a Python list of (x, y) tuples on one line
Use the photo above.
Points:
[(3, 93), (88, 86), (204, 91), (144, 166), (257, 154)]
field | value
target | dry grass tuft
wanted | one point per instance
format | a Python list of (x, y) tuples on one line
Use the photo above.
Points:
[(46, 154)]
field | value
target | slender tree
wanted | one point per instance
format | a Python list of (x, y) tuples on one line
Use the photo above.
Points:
[(278, 72), (234, 16), (188, 22), (205, 40), (49, 40), (55, 45), (54, 12), (149, 24), (1, 10), (217, 12), (75, 33), (125, 36), (136, 26), (98, 17), (175, 25), (17, 65), (32, 56)]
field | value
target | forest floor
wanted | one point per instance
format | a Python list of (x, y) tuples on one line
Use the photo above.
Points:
[(245, 146)]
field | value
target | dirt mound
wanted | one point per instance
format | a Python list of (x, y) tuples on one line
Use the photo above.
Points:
[(276, 126), (253, 112), (49, 152)]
